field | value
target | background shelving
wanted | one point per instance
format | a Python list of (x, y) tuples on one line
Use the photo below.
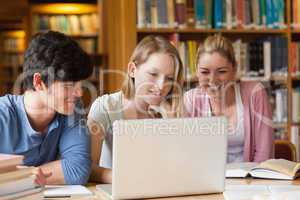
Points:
[(134, 25)]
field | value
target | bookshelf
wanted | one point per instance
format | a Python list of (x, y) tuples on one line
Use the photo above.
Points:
[(11, 59), (82, 22), (13, 37), (129, 31)]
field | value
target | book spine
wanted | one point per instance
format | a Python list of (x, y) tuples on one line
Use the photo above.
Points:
[(295, 139), (162, 13), (208, 13), (180, 8), (267, 59), (154, 14), (171, 13), (269, 15), (148, 18), (228, 14), (218, 14), (240, 13), (199, 6), (141, 14)]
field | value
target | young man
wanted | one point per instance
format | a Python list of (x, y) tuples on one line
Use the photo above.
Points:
[(45, 123)]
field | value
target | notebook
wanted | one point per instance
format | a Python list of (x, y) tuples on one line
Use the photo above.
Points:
[(60, 191)]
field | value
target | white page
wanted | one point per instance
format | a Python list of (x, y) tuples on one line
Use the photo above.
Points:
[(239, 169), (66, 191)]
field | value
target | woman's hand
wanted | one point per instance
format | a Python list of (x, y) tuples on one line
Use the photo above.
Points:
[(164, 110), (214, 93)]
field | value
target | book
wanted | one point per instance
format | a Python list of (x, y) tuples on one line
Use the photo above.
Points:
[(22, 194), (19, 185), (9, 161), (17, 174), (141, 14), (270, 169)]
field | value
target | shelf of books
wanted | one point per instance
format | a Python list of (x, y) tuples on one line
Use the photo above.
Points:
[(264, 34), (82, 22), (11, 58)]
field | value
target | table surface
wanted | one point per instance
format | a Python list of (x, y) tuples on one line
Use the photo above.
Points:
[(246, 181)]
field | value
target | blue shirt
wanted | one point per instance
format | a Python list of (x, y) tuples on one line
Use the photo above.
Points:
[(67, 139)]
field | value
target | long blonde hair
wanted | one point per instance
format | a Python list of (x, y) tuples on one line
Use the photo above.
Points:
[(145, 48)]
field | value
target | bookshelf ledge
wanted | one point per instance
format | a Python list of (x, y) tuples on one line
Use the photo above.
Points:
[(195, 30)]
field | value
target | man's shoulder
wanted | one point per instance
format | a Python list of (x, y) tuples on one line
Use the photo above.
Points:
[(8, 104)]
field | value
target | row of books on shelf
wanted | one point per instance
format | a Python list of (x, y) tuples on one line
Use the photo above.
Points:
[(84, 24), (264, 57), (295, 58), (89, 45), (279, 102), (11, 59), (13, 45), (209, 14), (296, 105), (16, 181)]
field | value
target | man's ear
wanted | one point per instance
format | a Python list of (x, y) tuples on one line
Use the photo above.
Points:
[(38, 83), (131, 69)]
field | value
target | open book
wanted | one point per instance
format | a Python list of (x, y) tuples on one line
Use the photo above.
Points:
[(270, 169)]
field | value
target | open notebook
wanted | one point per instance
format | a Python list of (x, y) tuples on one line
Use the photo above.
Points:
[(270, 169), (66, 191)]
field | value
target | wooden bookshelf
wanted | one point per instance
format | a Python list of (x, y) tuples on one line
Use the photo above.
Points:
[(205, 31), (12, 50)]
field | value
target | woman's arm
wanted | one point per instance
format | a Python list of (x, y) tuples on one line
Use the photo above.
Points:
[(261, 122), (98, 174)]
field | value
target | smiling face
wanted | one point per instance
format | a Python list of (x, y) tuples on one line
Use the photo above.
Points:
[(154, 78), (62, 96), (214, 70)]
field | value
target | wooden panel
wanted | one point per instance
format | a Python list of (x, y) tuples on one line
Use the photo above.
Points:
[(13, 9), (120, 38)]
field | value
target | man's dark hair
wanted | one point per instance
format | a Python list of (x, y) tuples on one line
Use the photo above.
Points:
[(56, 57)]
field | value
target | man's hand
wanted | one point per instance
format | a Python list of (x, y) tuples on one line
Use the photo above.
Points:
[(41, 177)]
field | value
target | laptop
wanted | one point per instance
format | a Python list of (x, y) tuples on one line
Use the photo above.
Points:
[(167, 157)]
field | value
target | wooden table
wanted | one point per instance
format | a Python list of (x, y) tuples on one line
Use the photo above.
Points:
[(249, 181)]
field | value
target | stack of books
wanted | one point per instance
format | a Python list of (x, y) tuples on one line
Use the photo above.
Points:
[(15, 180)]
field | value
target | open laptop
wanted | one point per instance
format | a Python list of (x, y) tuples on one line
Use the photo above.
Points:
[(168, 157)]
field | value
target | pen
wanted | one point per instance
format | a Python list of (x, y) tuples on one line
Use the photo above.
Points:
[(56, 197)]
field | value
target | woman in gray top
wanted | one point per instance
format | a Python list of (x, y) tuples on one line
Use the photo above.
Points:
[(152, 90)]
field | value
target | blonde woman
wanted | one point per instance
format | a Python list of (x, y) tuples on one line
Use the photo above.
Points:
[(245, 104), (152, 90)]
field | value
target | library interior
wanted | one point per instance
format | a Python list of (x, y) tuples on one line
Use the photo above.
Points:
[(265, 39)]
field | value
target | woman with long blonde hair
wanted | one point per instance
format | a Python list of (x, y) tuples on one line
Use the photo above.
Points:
[(245, 104), (152, 90)]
